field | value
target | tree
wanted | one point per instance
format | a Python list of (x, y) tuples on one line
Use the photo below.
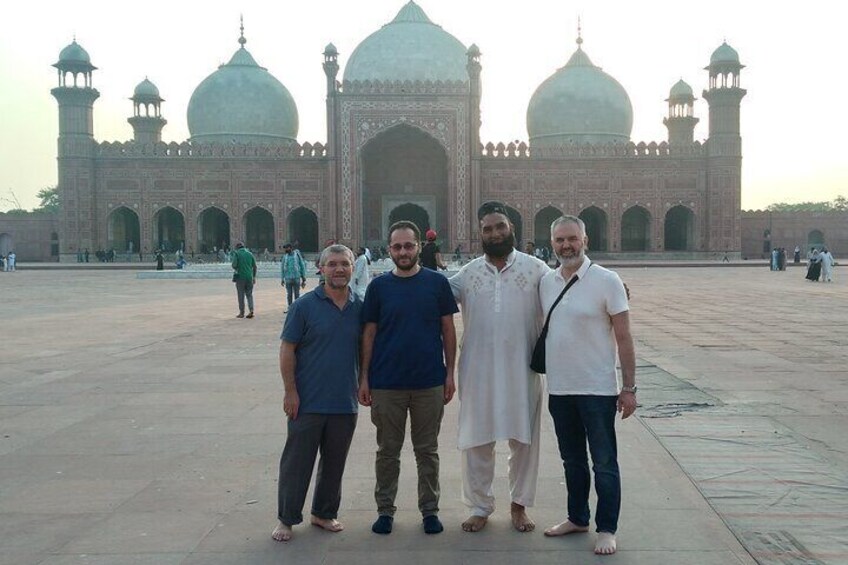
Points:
[(49, 200), (839, 204)]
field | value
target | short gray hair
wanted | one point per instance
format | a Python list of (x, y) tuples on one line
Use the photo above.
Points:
[(336, 248), (567, 219)]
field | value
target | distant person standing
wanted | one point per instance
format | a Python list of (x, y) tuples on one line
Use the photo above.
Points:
[(797, 257), (160, 260), (827, 263), (11, 261), (361, 275), (244, 265), (431, 255), (292, 272), (813, 265), (408, 352), (319, 364)]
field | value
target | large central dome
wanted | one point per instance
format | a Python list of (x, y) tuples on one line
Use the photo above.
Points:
[(579, 103), (410, 47), (242, 102)]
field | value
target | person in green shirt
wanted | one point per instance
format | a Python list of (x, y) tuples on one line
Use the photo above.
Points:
[(244, 265)]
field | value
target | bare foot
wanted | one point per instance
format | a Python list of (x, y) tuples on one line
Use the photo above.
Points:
[(282, 532), (605, 544), (565, 528), (520, 520), (474, 524), (330, 525)]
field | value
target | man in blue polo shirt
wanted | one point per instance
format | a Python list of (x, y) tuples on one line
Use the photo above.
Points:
[(408, 350), (319, 363)]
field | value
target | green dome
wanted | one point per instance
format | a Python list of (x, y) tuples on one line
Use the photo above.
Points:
[(242, 102), (724, 54), (579, 103), (146, 90), (74, 53), (681, 90), (410, 47)]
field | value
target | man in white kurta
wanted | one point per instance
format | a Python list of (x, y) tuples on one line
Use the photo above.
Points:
[(500, 397), (827, 262)]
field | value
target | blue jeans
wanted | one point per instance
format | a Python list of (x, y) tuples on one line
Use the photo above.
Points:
[(579, 419), (292, 290)]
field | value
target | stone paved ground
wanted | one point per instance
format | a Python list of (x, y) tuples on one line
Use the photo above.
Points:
[(141, 423)]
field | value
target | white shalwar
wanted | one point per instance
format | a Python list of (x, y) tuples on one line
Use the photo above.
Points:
[(500, 397)]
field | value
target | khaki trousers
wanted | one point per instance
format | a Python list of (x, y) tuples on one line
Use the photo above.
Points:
[(389, 409)]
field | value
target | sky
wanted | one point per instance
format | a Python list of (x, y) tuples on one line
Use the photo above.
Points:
[(793, 135)]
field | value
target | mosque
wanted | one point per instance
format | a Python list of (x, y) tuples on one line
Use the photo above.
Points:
[(403, 142)]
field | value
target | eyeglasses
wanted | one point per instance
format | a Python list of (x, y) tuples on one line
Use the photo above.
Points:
[(398, 247)]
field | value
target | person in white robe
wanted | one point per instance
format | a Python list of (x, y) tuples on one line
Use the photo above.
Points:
[(361, 275), (500, 397), (827, 262)]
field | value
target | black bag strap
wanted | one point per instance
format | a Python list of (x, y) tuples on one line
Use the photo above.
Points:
[(554, 305)]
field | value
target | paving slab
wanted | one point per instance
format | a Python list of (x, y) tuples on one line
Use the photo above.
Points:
[(141, 423)]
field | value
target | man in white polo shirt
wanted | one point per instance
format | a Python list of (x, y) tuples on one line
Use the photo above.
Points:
[(586, 327)]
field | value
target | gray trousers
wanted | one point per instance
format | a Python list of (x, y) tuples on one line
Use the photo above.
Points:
[(309, 434), (389, 409), (244, 288)]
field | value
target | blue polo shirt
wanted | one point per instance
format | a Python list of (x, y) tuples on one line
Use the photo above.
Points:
[(328, 340), (408, 352)]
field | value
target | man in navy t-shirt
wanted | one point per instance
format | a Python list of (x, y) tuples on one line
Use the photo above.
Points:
[(408, 352), (319, 363)]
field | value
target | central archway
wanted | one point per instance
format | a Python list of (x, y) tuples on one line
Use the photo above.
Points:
[(303, 229), (213, 230), (403, 165), (542, 226), (259, 230), (596, 227), (679, 229), (170, 229), (635, 229), (124, 232), (412, 213)]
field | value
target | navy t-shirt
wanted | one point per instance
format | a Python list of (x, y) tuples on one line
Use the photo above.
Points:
[(328, 342), (408, 351)]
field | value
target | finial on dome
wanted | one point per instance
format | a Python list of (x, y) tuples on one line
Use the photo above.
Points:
[(579, 33), (241, 39)]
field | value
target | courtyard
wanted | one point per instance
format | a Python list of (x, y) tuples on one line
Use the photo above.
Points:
[(140, 422)]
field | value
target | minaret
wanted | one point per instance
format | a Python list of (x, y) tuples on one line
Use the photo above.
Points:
[(76, 147), (681, 118), (475, 148), (147, 120), (724, 152), (331, 69)]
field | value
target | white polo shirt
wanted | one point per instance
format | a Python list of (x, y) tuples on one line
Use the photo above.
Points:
[(580, 348)]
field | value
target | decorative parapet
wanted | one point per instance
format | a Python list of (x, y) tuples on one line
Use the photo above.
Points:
[(520, 150), (405, 87), (187, 149)]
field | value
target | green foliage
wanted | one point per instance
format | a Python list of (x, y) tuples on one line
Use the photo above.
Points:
[(839, 204), (17, 212), (49, 199)]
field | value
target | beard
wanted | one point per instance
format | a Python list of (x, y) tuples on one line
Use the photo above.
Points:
[(408, 265), (499, 249), (572, 260)]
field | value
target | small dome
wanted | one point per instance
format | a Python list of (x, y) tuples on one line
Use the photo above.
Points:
[(244, 103), (330, 50), (74, 53), (579, 103), (681, 90), (410, 47), (473, 51), (146, 90), (724, 54)]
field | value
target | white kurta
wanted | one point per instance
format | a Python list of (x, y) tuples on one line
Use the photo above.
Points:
[(501, 318)]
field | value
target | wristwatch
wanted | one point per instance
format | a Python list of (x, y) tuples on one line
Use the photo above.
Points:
[(632, 389)]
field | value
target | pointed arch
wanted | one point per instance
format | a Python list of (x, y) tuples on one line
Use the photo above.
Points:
[(636, 229), (303, 229), (679, 229), (815, 238), (542, 225), (168, 229), (413, 213), (597, 228), (259, 229), (123, 231), (213, 229)]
